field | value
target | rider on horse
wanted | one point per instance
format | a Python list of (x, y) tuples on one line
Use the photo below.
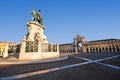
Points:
[(36, 16)]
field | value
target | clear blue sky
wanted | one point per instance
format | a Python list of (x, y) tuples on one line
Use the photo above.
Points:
[(63, 19)]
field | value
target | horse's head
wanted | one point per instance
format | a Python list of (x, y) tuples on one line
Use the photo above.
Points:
[(33, 12)]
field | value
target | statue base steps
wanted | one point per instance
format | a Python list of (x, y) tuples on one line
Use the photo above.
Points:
[(36, 55)]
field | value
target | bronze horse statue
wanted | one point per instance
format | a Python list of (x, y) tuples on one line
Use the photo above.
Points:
[(36, 16)]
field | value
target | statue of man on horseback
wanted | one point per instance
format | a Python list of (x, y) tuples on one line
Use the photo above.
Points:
[(36, 16)]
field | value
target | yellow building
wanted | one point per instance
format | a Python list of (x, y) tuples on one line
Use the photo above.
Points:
[(80, 44), (107, 45), (11, 47), (66, 48)]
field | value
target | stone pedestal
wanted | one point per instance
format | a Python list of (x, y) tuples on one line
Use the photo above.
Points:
[(35, 45), (36, 32)]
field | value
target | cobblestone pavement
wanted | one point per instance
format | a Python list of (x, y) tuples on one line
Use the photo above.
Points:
[(83, 66)]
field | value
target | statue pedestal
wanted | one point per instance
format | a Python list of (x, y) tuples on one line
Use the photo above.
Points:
[(35, 45), (36, 32)]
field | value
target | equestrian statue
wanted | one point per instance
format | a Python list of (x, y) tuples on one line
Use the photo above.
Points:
[(36, 16)]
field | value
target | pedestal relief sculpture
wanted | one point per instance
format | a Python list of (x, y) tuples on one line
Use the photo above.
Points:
[(35, 44)]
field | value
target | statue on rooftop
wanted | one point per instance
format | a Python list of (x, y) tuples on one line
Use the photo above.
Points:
[(36, 16)]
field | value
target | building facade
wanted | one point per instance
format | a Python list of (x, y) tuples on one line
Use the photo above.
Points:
[(107, 45), (80, 44), (7, 47), (66, 48)]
